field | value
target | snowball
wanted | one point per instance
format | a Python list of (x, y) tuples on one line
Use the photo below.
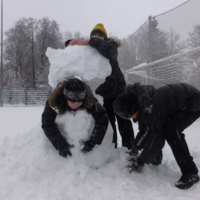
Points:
[(83, 61)]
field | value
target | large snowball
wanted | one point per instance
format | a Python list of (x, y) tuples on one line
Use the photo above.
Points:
[(77, 128), (83, 61)]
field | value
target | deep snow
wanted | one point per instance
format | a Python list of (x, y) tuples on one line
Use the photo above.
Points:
[(30, 167)]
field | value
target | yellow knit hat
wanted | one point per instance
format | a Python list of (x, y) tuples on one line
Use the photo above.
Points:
[(99, 28)]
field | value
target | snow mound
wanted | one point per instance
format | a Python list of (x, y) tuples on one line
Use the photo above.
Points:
[(77, 128), (83, 61)]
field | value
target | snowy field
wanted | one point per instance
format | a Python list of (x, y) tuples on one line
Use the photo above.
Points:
[(30, 169)]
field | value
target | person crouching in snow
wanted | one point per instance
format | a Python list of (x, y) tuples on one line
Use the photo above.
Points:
[(70, 95), (114, 83), (162, 114)]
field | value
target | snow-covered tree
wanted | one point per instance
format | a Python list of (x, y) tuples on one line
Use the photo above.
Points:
[(194, 37)]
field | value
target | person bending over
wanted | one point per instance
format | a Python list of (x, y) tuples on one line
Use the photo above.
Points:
[(162, 114), (71, 95)]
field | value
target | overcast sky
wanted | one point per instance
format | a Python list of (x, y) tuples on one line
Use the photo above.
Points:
[(120, 17)]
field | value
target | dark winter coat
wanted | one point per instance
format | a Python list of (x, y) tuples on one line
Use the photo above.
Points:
[(56, 104), (156, 106), (115, 82)]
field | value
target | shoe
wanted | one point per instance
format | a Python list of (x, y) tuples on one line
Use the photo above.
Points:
[(187, 180), (133, 153), (158, 159)]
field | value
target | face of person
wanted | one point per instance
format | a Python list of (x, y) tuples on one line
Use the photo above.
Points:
[(134, 116), (74, 105), (99, 36)]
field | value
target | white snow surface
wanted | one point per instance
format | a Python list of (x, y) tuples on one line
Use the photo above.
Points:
[(31, 169), (83, 61)]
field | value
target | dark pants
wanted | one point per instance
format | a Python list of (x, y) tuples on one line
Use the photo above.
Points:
[(125, 126), (176, 139)]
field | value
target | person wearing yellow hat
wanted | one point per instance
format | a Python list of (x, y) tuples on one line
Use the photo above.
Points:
[(114, 83), (100, 30)]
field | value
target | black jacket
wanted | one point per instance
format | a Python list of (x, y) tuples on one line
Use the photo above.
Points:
[(156, 106), (56, 104), (114, 83)]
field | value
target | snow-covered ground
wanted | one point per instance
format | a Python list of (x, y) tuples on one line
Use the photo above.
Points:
[(31, 169)]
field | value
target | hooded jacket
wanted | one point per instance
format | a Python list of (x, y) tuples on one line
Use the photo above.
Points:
[(57, 104), (156, 106), (115, 82)]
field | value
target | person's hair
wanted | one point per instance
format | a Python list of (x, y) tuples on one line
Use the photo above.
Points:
[(125, 105)]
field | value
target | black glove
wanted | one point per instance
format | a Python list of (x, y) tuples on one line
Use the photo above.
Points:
[(88, 146), (136, 165), (133, 152), (158, 159), (65, 151)]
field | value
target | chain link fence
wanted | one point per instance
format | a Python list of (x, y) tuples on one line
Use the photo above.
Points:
[(24, 97), (165, 49), (164, 35)]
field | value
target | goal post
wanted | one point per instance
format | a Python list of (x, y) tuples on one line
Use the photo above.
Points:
[(182, 67)]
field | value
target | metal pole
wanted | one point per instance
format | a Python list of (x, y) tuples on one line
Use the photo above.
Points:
[(1, 96), (150, 39)]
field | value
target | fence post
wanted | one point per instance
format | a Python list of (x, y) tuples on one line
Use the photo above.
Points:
[(1, 83), (126, 77), (150, 39), (1, 97), (25, 97), (49, 92)]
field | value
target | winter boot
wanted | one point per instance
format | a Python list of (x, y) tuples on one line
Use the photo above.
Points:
[(187, 180), (158, 159)]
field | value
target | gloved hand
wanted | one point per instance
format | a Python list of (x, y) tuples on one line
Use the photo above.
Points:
[(136, 165), (65, 151), (88, 146), (133, 152)]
